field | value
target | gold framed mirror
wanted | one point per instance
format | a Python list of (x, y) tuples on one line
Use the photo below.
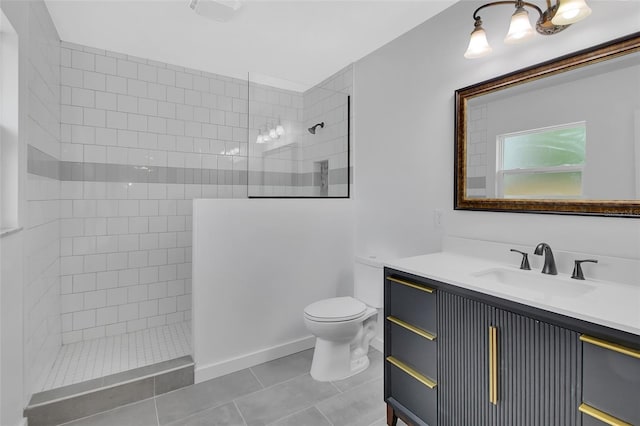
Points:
[(560, 137)]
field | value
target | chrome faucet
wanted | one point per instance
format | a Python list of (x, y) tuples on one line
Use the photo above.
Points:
[(549, 262)]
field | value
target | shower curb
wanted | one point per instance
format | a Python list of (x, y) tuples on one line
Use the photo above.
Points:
[(84, 399)]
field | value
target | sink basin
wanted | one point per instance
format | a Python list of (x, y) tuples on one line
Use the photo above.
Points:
[(536, 282)]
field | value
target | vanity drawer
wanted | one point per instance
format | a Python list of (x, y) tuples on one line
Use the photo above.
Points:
[(416, 396), (414, 347), (412, 302), (611, 380)]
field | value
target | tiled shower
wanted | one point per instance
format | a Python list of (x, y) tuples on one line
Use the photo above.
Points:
[(138, 141)]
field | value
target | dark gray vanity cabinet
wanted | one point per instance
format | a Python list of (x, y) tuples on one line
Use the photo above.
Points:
[(479, 364), (611, 384)]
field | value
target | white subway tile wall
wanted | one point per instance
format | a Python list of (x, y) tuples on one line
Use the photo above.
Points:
[(477, 156), (271, 165), (126, 245), (103, 356), (326, 102), (42, 227)]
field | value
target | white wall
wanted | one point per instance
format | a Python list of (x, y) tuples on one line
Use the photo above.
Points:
[(29, 261), (257, 264), (405, 135)]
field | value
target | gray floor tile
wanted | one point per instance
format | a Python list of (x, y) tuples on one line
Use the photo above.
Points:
[(139, 414), (374, 371), (190, 400), (282, 369), (309, 417), (173, 380), (359, 406), (224, 415), (283, 399)]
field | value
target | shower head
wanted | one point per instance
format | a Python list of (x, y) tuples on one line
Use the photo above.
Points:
[(312, 129)]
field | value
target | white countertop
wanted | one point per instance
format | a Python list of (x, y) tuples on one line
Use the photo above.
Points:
[(606, 303)]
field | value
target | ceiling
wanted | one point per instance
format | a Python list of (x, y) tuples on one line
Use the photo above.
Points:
[(295, 41)]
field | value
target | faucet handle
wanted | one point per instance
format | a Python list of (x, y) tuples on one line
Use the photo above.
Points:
[(525, 260), (577, 269)]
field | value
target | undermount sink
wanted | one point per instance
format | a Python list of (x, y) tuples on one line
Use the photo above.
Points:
[(536, 282)]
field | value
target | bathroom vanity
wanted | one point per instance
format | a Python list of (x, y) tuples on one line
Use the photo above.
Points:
[(469, 341)]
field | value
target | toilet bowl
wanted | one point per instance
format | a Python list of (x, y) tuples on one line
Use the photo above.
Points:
[(345, 326)]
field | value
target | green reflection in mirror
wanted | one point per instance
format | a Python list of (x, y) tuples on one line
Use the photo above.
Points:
[(542, 163), (546, 148)]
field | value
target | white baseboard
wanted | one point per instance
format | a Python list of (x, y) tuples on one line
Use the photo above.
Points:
[(217, 369), (378, 344)]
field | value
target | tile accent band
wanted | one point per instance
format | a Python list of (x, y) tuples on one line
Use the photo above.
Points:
[(42, 164)]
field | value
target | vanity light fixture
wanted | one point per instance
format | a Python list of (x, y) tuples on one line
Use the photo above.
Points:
[(551, 21)]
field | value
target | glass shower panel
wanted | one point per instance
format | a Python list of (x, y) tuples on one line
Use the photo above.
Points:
[(298, 142)]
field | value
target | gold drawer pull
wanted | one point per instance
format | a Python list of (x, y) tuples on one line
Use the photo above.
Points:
[(417, 330), (410, 284), (493, 365), (413, 373), (601, 415), (611, 346)]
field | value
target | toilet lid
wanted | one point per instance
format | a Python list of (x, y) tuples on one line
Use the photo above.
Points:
[(335, 309)]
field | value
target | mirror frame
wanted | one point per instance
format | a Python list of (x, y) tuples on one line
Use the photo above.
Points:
[(609, 50)]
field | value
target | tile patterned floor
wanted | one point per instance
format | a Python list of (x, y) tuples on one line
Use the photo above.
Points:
[(82, 361), (276, 393)]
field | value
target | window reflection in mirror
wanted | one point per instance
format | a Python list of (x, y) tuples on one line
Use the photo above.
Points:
[(541, 163)]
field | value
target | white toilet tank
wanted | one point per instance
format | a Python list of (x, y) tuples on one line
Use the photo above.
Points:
[(369, 280)]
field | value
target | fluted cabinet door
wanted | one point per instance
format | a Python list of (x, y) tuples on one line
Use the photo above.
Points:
[(537, 368), (540, 372), (464, 359)]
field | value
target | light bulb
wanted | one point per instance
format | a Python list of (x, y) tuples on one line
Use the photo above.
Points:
[(478, 44), (266, 137), (272, 134), (570, 12), (279, 130), (520, 28), (259, 139)]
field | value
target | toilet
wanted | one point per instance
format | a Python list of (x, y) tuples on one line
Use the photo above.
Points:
[(344, 326)]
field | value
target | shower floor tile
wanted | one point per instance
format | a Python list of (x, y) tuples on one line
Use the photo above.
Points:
[(82, 361)]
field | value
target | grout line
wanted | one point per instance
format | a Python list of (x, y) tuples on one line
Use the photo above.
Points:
[(239, 412), (256, 377), (155, 404), (324, 415), (337, 388)]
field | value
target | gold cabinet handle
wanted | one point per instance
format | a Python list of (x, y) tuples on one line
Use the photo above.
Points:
[(410, 284), (493, 365), (611, 346), (413, 328), (411, 372), (601, 415)]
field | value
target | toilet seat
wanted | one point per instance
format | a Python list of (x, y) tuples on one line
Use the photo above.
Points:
[(335, 309)]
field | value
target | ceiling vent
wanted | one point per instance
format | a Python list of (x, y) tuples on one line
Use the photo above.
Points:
[(218, 10)]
